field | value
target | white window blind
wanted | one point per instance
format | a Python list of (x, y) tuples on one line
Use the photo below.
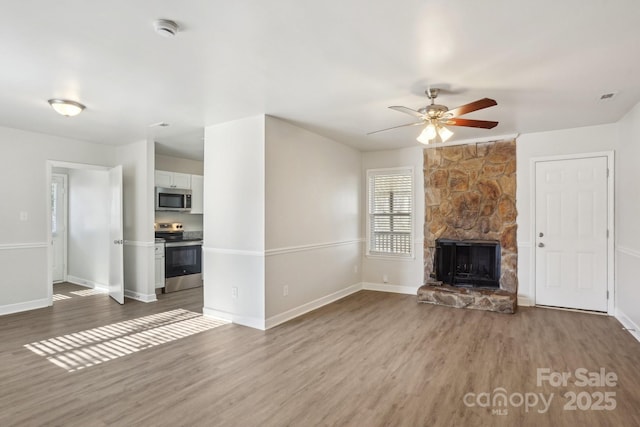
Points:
[(390, 212)]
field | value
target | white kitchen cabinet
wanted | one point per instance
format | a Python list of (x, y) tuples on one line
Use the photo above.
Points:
[(159, 266), (181, 180), (166, 179), (197, 194)]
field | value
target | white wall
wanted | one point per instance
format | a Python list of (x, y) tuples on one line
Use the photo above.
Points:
[(88, 230), (627, 222), (281, 209), (23, 243), (404, 275), (528, 146), (234, 224), (177, 164), (313, 240), (24, 224)]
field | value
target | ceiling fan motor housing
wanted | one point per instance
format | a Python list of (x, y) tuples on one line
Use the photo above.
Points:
[(433, 111)]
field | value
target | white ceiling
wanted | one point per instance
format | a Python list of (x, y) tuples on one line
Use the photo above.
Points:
[(331, 66)]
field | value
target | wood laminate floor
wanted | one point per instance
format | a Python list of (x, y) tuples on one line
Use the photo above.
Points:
[(371, 359)]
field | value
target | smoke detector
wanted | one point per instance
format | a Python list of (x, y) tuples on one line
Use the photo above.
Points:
[(165, 27)]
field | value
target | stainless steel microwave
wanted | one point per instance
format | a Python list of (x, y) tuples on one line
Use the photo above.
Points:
[(173, 199)]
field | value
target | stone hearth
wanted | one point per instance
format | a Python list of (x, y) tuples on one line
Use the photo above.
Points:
[(470, 193), (497, 300)]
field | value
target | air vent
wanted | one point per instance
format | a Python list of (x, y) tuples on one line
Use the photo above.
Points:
[(159, 125)]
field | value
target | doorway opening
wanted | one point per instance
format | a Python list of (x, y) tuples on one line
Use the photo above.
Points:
[(86, 228)]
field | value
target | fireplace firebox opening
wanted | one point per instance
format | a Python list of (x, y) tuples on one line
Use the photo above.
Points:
[(468, 263)]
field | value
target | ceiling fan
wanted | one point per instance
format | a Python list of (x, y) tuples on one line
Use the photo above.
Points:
[(435, 116)]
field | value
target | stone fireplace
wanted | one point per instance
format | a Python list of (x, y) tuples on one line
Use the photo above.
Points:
[(470, 226)]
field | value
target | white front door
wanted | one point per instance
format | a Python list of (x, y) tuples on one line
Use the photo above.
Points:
[(116, 270), (571, 233), (58, 226)]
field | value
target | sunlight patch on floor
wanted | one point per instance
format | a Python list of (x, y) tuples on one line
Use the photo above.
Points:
[(87, 292), (58, 297), (94, 346)]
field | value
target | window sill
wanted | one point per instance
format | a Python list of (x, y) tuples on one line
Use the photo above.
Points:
[(405, 258)]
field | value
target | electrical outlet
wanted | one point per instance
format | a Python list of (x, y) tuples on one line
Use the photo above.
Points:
[(385, 278), (234, 292), (355, 268), (285, 290), (24, 216)]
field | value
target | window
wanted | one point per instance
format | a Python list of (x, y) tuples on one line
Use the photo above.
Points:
[(390, 219)]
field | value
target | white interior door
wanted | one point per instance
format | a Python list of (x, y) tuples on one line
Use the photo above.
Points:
[(116, 270), (58, 227), (571, 233)]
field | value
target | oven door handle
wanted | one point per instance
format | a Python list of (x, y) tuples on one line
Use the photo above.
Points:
[(182, 244)]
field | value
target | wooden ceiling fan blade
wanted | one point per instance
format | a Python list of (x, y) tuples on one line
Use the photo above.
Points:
[(407, 111), (396, 127), (484, 124), (473, 106)]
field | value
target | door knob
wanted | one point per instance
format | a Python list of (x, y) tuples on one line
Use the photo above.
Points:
[(541, 245), (541, 234)]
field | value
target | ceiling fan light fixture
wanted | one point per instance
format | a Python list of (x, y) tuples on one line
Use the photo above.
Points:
[(444, 133), (422, 139), (427, 134), (65, 107)]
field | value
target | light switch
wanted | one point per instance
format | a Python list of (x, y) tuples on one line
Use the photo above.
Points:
[(24, 216)]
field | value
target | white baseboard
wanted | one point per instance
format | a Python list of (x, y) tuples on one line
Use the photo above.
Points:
[(24, 306), (140, 297), (88, 283), (629, 324), (252, 322), (278, 319), (310, 306), (385, 287), (525, 301)]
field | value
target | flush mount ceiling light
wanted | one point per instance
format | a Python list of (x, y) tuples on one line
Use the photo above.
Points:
[(166, 27), (66, 108)]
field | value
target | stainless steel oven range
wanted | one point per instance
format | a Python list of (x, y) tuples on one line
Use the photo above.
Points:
[(182, 258)]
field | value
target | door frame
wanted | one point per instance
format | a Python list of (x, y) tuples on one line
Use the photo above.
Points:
[(610, 156), (50, 164)]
